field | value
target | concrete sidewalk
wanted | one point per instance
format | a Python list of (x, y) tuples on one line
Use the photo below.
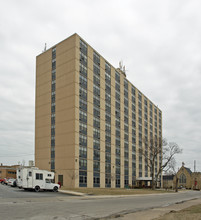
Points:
[(74, 193), (151, 214), (69, 192)]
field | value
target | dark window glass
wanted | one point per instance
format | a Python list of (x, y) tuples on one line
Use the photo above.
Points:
[(82, 178), (82, 164), (53, 64), (39, 176), (82, 152), (117, 77), (54, 53)]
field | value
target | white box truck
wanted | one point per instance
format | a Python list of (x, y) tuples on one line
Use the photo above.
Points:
[(33, 178)]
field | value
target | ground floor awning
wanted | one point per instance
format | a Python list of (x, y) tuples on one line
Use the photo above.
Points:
[(144, 179)]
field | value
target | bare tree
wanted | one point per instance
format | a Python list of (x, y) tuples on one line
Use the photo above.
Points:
[(171, 169), (158, 149)]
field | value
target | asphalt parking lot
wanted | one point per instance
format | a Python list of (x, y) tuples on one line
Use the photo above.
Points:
[(14, 192)]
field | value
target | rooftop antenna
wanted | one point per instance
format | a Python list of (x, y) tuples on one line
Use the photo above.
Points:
[(124, 69), (194, 165), (45, 48), (120, 65)]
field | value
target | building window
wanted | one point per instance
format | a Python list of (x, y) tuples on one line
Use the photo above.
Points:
[(83, 70), (53, 64), (83, 47), (83, 116), (82, 178), (182, 178), (54, 53), (97, 166), (125, 84), (96, 58), (108, 108), (83, 140), (139, 96), (96, 90), (96, 154), (83, 82), (96, 122), (83, 151), (52, 163), (133, 90), (53, 75), (83, 105), (107, 68), (96, 180), (83, 128), (96, 69), (11, 172), (96, 133), (83, 94), (108, 180), (96, 80), (117, 77), (96, 144), (107, 127), (108, 118), (83, 164), (83, 59)]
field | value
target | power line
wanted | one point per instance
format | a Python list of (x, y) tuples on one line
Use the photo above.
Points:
[(22, 155)]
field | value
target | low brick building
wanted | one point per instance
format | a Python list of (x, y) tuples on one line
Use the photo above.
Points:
[(168, 181), (8, 171)]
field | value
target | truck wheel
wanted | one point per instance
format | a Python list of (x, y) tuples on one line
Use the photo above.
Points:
[(55, 189), (37, 188)]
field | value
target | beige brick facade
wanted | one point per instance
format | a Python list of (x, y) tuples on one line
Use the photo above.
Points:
[(61, 96)]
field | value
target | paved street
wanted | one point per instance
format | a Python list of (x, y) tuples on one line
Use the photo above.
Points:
[(19, 204)]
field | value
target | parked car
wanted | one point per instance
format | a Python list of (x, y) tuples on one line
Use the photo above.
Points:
[(12, 182), (4, 181)]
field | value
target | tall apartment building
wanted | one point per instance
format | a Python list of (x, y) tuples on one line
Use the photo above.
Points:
[(90, 121)]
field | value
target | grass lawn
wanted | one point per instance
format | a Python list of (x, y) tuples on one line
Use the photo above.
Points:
[(192, 213), (94, 191)]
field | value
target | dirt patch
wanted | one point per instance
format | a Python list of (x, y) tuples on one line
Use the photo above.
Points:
[(192, 213)]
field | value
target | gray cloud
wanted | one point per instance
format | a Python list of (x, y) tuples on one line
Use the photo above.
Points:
[(159, 42)]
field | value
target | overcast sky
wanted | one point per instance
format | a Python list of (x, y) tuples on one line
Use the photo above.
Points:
[(158, 41)]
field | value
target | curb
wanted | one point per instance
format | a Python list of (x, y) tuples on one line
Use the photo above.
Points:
[(72, 193), (88, 196)]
